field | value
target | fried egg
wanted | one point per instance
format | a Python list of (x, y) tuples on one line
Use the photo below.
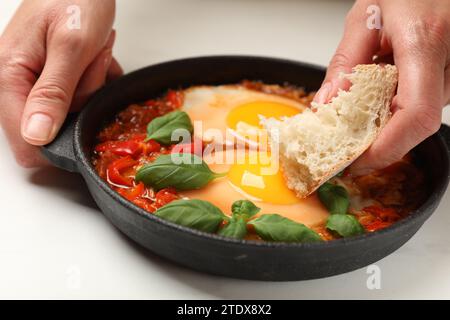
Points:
[(231, 113), (253, 178)]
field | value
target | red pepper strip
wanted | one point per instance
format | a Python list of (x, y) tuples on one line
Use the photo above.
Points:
[(127, 148), (151, 146), (174, 98), (114, 171), (133, 192), (102, 147), (121, 148), (165, 196)]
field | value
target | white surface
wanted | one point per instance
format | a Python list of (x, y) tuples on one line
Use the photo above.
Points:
[(51, 233)]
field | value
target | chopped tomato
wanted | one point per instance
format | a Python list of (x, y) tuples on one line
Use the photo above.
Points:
[(223, 224), (250, 228), (133, 192), (139, 137), (346, 172), (151, 103), (175, 98), (379, 217), (165, 196), (145, 204), (385, 214), (377, 225), (115, 169), (151, 146)]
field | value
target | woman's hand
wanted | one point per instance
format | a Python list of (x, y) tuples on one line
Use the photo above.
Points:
[(416, 34), (53, 55)]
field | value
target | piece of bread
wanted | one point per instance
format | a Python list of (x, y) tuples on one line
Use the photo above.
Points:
[(316, 145)]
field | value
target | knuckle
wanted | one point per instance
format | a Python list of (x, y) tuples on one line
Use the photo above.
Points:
[(436, 27), (427, 34), (16, 69), (426, 121), (9, 64), (54, 93), (73, 41), (339, 61)]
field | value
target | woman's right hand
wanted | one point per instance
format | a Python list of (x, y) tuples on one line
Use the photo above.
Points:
[(53, 55), (416, 35)]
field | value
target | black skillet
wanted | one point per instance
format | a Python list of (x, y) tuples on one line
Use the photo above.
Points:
[(211, 253)]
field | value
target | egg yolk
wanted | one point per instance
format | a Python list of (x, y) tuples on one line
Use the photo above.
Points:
[(249, 113), (258, 178)]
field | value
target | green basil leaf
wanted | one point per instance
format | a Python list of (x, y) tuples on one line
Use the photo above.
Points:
[(334, 197), (273, 227), (192, 173), (161, 128), (244, 208), (196, 214), (340, 174), (345, 225), (236, 228)]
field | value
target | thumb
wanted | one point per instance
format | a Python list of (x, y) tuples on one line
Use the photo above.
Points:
[(358, 45), (51, 96)]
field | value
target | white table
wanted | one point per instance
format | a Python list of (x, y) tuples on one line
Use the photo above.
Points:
[(54, 242)]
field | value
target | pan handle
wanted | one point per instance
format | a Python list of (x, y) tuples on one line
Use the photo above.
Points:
[(445, 134), (60, 151)]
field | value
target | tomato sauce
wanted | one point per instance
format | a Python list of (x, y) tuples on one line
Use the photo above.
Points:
[(122, 148)]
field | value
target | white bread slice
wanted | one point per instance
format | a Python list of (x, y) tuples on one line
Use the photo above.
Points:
[(315, 146)]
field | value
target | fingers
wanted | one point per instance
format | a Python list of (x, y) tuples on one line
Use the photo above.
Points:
[(358, 45), (93, 78), (104, 68), (49, 100), (16, 81), (419, 102), (95, 75)]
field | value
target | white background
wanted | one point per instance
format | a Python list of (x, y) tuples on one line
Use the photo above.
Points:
[(54, 242)]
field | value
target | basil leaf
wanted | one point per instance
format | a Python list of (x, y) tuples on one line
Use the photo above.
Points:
[(345, 225), (244, 207), (340, 174), (161, 128), (273, 227), (236, 228), (334, 197), (192, 173), (196, 214)]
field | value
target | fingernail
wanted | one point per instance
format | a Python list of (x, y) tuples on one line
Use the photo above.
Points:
[(38, 127), (322, 94)]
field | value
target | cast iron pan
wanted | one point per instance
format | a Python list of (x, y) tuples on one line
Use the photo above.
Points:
[(212, 253)]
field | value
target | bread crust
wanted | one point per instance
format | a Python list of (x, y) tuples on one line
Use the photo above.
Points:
[(341, 129)]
